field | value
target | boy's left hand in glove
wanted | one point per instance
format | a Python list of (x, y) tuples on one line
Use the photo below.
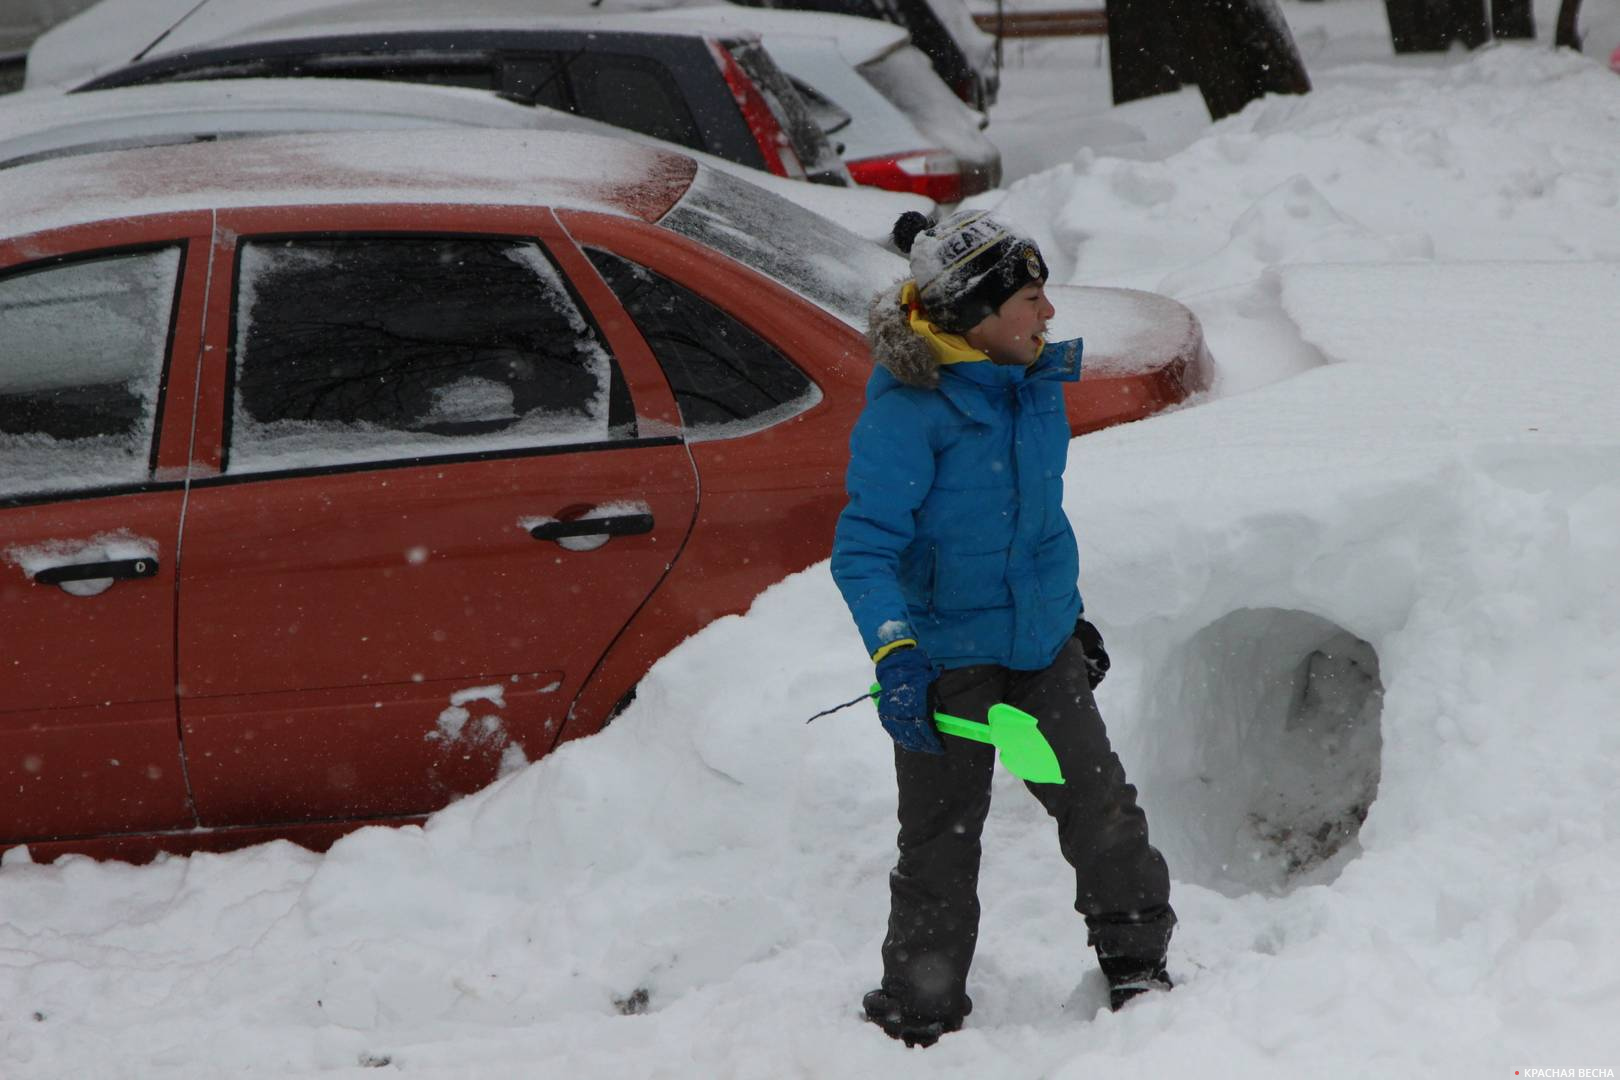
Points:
[(905, 676)]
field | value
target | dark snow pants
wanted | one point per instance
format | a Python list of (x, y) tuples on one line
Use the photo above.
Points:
[(1122, 883)]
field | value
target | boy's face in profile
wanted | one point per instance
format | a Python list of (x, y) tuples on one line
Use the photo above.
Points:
[(1013, 335)]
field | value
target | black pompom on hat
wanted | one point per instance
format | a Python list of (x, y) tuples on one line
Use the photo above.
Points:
[(906, 228), (966, 266)]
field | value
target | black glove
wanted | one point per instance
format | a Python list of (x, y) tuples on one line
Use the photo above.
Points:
[(1091, 643)]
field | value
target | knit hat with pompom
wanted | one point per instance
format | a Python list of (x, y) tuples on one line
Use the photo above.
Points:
[(966, 266)]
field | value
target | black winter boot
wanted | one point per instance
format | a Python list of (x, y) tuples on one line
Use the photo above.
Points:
[(898, 1022), (1129, 978)]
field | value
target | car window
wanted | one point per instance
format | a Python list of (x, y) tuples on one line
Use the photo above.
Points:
[(815, 152), (536, 79), (360, 349), (727, 380), (435, 67), (829, 116), (82, 349), (809, 254), (632, 92), (224, 69)]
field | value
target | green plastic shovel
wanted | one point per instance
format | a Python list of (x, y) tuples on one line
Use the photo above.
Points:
[(1014, 733)]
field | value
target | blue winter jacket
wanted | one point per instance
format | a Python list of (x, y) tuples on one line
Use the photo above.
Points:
[(954, 534)]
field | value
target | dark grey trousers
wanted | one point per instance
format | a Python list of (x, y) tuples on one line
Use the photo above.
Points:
[(1122, 885)]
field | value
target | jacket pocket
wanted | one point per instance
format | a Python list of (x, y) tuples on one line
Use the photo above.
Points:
[(917, 576), (967, 582)]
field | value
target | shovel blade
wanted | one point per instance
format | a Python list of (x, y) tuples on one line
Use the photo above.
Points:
[(1017, 737), (1023, 749)]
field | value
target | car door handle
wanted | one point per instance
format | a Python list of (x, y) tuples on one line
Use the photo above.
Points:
[(620, 525), (119, 569)]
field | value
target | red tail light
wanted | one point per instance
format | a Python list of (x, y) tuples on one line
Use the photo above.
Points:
[(934, 173), (774, 144)]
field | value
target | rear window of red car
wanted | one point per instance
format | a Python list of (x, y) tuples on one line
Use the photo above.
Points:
[(821, 261)]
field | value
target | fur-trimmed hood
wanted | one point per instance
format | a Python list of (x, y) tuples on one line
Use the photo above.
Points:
[(895, 346), (908, 343)]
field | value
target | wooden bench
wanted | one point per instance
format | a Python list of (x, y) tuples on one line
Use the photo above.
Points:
[(1069, 22)]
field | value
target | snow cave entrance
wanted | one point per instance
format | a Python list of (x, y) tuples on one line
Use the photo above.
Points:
[(1282, 711)]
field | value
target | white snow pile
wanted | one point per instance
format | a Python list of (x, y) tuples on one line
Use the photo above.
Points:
[(1510, 154), (1366, 676)]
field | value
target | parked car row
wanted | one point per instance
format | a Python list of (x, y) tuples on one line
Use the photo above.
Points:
[(765, 89), (345, 471), (342, 471), (38, 125)]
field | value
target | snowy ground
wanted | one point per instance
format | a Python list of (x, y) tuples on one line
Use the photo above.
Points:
[(1373, 575)]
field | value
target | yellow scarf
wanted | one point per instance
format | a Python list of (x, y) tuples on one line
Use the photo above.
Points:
[(948, 348)]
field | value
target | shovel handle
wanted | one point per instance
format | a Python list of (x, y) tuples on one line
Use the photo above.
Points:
[(965, 729), (953, 725)]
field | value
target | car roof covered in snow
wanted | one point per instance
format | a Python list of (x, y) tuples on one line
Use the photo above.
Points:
[(483, 167), (111, 36), (37, 124), (239, 23), (857, 40)]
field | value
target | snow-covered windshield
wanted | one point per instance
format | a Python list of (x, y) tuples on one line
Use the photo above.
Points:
[(816, 258)]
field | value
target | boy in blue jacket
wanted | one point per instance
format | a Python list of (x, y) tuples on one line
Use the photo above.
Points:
[(960, 567)]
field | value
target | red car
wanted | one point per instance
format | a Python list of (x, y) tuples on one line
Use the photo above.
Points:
[(341, 473)]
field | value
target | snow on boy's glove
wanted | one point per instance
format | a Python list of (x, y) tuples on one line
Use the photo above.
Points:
[(1091, 643), (904, 676)]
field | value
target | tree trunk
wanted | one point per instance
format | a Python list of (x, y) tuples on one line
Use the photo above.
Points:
[(1569, 13), (1468, 22), (1144, 48), (1240, 50), (1513, 19), (1432, 25), (1410, 26), (1234, 51)]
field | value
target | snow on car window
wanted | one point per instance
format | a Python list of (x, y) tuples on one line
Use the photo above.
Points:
[(373, 348), (80, 367), (816, 258)]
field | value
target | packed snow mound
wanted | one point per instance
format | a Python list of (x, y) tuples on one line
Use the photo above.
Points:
[(1509, 154)]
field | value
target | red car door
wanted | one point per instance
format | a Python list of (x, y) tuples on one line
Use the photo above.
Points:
[(769, 386), (98, 348), (437, 495)]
